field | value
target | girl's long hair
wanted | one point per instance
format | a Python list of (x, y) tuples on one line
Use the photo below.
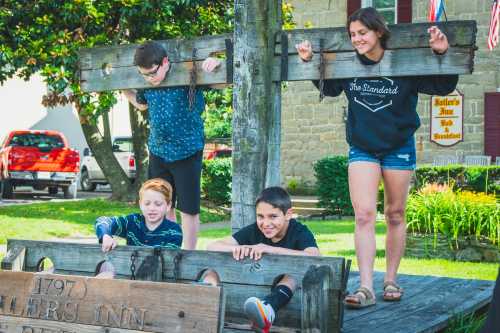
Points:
[(373, 20)]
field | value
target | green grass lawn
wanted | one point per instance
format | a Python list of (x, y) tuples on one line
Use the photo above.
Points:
[(335, 238), (67, 219)]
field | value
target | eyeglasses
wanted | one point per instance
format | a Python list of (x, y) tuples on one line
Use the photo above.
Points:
[(152, 73)]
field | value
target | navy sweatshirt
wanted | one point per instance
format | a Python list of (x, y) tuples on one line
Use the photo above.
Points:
[(382, 112)]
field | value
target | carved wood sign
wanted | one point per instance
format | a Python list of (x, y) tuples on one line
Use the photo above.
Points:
[(47, 303)]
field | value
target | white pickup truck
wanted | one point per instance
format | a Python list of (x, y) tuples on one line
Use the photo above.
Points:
[(91, 174)]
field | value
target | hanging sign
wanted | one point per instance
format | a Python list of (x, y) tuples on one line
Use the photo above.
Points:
[(447, 119)]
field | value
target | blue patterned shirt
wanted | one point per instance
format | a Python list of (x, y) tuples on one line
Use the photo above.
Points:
[(133, 228), (176, 132)]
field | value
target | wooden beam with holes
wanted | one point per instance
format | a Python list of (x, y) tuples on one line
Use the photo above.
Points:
[(33, 303), (408, 54), (322, 278)]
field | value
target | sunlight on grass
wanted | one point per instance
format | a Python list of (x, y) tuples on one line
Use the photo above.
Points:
[(336, 238), (71, 218), (38, 229), (52, 220)]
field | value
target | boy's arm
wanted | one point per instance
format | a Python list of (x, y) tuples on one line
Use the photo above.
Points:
[(256, 251), (111, 225), (230, 244), (107, 226), (131, 95), (305, 245), (310, 251)]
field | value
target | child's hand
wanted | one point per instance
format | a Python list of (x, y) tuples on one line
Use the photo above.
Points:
[(240, 252), (305, 50), (108, 243), (258, 250), (210, 64), (438, 40)]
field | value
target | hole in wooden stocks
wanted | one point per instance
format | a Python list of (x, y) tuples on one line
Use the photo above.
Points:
[(106, 69), (45, 265)]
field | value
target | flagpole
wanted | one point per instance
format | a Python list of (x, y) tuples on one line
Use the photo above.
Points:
[(444, 12)]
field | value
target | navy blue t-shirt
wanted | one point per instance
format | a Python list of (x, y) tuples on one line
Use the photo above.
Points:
[(382, 112), (297, 237)]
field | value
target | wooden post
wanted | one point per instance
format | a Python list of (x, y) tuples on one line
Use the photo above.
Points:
[(320, 307), (14, 259), (256, 25)]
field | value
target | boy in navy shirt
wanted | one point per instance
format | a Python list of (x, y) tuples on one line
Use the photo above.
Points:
[(151, 228), (275, 232)]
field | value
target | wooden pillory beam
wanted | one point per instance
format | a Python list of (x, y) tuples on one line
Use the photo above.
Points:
[(111, 68), (73, 303), (258, 57)]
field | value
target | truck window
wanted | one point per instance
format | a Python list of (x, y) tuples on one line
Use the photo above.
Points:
[(40, 141), (122, 145)]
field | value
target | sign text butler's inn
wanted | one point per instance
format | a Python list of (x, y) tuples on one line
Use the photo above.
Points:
[(447, 119)]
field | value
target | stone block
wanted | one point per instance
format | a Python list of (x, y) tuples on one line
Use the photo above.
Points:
[(469, 254)]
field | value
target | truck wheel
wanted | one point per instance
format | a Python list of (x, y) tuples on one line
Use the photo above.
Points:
[(69, 191), (85, 182), (7, 189), (53, 190)]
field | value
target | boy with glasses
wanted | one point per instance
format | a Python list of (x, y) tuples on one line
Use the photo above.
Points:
[(176, 136)]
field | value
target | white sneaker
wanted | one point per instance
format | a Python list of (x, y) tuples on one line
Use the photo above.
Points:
[(260, 314)]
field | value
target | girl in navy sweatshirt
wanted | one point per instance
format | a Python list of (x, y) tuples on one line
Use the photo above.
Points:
[(381, 123)]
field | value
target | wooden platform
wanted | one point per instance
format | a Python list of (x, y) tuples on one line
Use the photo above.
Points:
[(427, 306)]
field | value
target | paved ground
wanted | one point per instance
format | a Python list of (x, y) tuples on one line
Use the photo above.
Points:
[(26, 195)]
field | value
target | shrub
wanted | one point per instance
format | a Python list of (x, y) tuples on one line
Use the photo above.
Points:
[(477, 178), (219, 113), (332, 185), (436, 209), (216, 180), (297, 187)]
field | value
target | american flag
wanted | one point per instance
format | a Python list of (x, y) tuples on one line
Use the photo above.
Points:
[(494, 25), (436, 8)]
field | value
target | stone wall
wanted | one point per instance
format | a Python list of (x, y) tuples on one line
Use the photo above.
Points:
[(313, 130)]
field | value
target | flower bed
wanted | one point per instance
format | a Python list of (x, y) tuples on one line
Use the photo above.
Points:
[(445, 223)]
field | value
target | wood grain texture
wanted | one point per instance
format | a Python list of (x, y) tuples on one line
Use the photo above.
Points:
[(429, 303), (14, 259), (408, 54), (137, 305), (240, 279)]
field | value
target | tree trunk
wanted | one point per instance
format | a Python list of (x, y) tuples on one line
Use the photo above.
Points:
[(122, 187), (256, 25), (140, 132)]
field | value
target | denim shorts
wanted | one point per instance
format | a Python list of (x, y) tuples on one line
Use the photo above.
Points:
[(402, 158)]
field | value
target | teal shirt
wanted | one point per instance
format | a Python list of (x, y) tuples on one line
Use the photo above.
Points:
[(176, 131)]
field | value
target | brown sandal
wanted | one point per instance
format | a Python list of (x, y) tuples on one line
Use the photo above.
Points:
[(391, 288), (357, 301)]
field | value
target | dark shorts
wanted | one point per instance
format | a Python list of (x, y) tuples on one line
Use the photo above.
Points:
[(402, 158), (184, 176)]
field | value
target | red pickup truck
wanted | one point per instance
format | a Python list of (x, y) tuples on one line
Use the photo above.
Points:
[(39, 159)]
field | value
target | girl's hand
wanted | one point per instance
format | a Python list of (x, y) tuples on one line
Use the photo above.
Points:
[(305, 50), (210, 64), (438, 40), (108, 243)]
